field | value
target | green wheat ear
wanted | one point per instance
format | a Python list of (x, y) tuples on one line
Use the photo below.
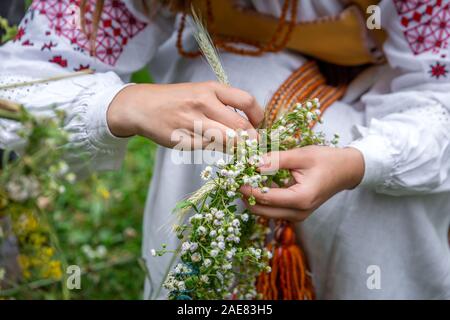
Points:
[(208, 49)]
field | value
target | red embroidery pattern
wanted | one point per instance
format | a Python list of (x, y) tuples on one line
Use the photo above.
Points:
[(426, 24), (20, 33), (438, 70), (117, 26), (82, 67), (27, 43)]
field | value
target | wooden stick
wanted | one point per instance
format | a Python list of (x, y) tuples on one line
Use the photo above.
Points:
[(55, 78)]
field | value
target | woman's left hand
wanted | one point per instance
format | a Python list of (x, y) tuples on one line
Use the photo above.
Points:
[(318, 173)]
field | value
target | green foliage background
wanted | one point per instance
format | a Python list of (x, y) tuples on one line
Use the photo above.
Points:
[(101, 213)]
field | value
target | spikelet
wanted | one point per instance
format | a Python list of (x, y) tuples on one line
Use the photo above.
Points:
[(208, 49)]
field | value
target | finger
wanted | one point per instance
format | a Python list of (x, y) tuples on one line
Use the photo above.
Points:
[(229, 118), (216, 133), (187, 140), (277, 213), (277, 197), (241, 100), (291, 159)]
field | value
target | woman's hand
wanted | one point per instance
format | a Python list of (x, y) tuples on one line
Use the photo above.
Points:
[(318, 172), (158, 111)]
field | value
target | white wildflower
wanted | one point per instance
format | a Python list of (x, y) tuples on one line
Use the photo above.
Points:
[(219, 214), (243, 134), (231, 194), (181, 285), (245, 217), (204, 278), (185, 246), (207, 263), (196, 257), (214, 253), (206, 174), (220, 163), (201, 230), (227, 266), (153, 252), (213, 233), (265, 190), (193, 246), (221, 245), (231, 134)]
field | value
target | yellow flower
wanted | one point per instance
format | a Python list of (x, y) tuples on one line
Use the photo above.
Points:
[(48, 251), (37, 239), (104, 193), (53, 270)]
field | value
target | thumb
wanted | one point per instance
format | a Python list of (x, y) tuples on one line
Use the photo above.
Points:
[(273, 161)]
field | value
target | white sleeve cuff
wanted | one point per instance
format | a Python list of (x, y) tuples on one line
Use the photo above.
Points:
[(100, 135), (377, 159)]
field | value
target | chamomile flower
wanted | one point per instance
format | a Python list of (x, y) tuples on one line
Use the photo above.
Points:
[(185, 246), (220, 163), (206, 173), (196, 257), (207, 262), (231, 134), (193, 246), (214, 253), (243, 134), (265, 190), (219, 214), (229, 255), (227, 266), (201, 230), (231, 194)]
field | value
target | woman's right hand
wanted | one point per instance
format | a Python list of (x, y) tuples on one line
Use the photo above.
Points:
[(156, 111)]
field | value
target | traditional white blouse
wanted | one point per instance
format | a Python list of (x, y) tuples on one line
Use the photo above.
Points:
[(404, 134)]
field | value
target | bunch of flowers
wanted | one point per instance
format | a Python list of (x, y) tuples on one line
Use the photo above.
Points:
[(222, 249)]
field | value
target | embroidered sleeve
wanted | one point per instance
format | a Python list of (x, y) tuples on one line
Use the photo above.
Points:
[(50, 42), (406, 144)]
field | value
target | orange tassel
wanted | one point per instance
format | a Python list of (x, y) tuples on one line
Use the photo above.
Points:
[(288, 279)]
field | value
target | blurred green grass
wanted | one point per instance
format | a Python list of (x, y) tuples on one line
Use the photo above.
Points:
[(99, 224), (99, 227)]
